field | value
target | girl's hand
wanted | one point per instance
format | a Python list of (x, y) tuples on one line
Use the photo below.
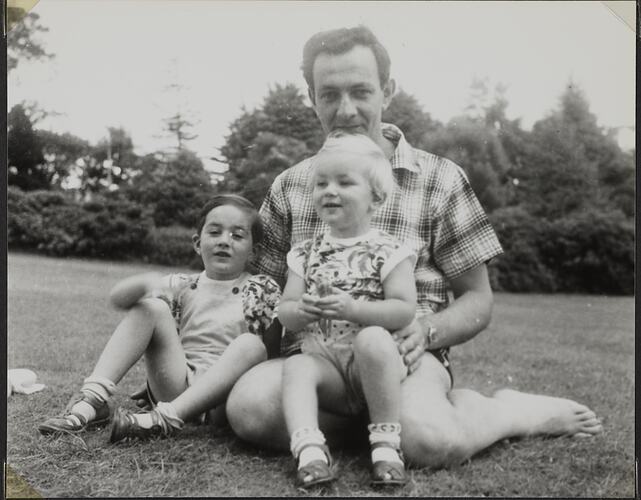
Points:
[(338, 305), (308, 308)]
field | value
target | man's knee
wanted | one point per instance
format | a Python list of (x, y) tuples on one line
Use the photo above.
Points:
[(252, 347), (254, 409), (299, 365), (431, 443), (432, 434)]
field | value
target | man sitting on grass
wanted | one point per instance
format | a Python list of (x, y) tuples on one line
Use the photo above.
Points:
[(436, 214)]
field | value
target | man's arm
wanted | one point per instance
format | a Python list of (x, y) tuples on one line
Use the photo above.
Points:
[(464, 318)]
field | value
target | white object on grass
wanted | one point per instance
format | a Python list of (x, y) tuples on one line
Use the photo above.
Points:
[(22, 381)]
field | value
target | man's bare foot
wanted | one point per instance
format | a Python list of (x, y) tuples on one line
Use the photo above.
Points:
[(551, 416)]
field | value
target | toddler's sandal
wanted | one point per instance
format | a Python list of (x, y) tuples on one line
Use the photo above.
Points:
[(316, 472), (385, 473)]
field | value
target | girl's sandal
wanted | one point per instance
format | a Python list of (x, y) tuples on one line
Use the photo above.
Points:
[(319, 471), (385, 473)]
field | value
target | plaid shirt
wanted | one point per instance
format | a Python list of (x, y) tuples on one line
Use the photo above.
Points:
[(432, 209)]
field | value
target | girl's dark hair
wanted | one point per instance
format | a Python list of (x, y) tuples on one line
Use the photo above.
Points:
[(339, 41), (239, 202)]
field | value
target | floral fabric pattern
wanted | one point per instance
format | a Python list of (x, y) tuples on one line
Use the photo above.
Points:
[(261, 295), (356, 266)]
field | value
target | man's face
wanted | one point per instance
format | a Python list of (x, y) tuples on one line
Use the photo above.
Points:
[(347, 92)]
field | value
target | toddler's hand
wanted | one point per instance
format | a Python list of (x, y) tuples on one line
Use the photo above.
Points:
[(338, 305), (307, 307)]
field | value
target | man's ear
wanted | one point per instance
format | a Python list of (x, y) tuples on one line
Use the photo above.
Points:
[(389, 89), (310, 94), (195, 240)]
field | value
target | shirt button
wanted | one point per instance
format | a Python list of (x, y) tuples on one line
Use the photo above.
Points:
[(234, 290)]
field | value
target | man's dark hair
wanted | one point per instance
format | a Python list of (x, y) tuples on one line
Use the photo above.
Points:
[(339, 41), (239, 202)]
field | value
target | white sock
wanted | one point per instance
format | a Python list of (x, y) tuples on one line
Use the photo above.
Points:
[(100, 388), (385, 433), (310, 454), (300, 443), (85, 409), (144, 420), (168, 416)]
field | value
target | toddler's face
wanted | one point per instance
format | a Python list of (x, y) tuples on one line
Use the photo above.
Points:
[(342, 195), (225, 242)]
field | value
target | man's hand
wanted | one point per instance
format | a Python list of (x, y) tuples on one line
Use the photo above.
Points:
[(412, 342), (141, 397), (338, 305)]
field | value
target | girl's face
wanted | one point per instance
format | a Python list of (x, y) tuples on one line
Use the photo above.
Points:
[(225, 242), (342, 195)]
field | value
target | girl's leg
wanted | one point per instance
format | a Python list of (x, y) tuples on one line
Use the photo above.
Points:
[(149, 328), (306, 379), (379, 367), (380, 370), (212, 387), (208, 390)]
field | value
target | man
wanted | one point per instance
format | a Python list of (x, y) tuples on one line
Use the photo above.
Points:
[(436, 213)]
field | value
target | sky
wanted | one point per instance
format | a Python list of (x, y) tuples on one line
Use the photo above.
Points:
[(115, 60)]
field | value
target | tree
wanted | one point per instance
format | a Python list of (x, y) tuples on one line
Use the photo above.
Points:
[(561, 174), (174, 187), (116, 155), (477, 148), (267, 140), (407, 114), (25, 158), (178, 125), (21, 38), (61, 152)]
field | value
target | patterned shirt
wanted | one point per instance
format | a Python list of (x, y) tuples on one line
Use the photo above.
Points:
[(357, 265), (210, 314)]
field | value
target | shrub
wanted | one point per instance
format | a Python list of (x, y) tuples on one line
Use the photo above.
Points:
[(24, 221), (520, 268), (172, 246), (114, 228), (592, 252), (53, 223)]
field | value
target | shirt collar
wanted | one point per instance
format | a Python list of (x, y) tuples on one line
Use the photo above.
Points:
[(404, 156)]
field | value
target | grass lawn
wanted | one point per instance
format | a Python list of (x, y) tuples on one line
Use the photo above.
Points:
[(580, 347)]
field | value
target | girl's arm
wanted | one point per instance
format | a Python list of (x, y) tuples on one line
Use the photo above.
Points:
[(396, 311), (126, 293), (297, 309)]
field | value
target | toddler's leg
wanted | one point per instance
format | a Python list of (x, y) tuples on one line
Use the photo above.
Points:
[(149, 328), (380, 373), (307, 378)]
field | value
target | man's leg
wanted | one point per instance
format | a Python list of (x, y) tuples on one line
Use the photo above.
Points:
[(443, 427), (255, 410)]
